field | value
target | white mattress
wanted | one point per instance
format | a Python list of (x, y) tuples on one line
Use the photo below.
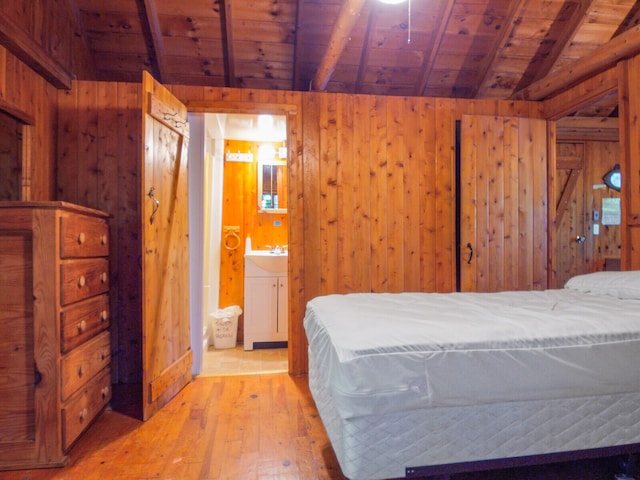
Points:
[(383, 446), (388, 353)]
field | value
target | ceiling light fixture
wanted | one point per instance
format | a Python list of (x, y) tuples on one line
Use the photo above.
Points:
[(392, 2)]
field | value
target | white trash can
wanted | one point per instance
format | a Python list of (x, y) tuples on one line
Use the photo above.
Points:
[(225, 326)]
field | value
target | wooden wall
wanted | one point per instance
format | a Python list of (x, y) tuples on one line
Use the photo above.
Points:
[(629, 75), (99, 150), (371, 190), (46, 25), (28, 97), (580, 167), (371, 185)]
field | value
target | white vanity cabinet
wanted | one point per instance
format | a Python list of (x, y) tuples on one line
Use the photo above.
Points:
[(265, 307)]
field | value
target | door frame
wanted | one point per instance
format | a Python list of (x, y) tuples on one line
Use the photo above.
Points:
[(195, 109), (555, 109)]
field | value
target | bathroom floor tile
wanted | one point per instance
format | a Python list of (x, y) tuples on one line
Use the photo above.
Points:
[(237, 361)]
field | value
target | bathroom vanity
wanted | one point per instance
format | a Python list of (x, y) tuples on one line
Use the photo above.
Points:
[(265, 299)]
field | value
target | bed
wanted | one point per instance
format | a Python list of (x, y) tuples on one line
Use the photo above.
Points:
[(414, 384)]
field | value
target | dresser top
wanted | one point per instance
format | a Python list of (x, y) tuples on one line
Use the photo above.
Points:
[(54, 205)]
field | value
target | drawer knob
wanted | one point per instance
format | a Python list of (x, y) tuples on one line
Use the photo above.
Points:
[(82, 281), (80, 371), (103, 239), (105, 392), (82, 326), (103, 315), (83, 414), (103, 277), (81, 238), (103, 355)]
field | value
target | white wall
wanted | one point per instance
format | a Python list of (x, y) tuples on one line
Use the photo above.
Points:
[(214, 148), (196, 167)]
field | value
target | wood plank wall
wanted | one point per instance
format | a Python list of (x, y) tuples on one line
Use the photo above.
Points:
[(580, 167), (25, 93), (629, 75), (47, 23), (99, 151), (371, 191), (371, 187)]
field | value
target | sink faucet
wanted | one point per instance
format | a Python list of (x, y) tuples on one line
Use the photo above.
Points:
[(277, 249)]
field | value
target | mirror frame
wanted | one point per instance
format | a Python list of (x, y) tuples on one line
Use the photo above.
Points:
[(260, 164)]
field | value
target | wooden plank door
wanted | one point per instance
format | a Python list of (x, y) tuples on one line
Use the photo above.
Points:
[(166, 349), (503, 203), (579, 194), (570, 212)]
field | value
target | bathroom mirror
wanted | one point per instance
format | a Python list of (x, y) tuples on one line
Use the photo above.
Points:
[(272, 187)]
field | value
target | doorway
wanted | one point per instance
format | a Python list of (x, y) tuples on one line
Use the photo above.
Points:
[(587, 215), (229, 147)]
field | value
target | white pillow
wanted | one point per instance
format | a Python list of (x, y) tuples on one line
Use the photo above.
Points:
[(617, 284)]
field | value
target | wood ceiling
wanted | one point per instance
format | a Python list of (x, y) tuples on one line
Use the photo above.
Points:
[(438, 48)]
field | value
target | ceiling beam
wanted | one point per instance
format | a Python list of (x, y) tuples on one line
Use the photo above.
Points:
[(298, 50), (509, 25), (623, 46), (437, 35), (565, 35), (28, 51), (226, 23), (366, 49), (80, 31), (349, 14), (152, 22)]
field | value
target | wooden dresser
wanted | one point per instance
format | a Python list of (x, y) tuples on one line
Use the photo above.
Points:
[(55, 356)]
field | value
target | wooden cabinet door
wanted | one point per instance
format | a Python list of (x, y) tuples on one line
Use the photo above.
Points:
[(503, 203), (166, 349)]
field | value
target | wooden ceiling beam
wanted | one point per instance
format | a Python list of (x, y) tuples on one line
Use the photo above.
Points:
[(80, 31), (153, 24), (349, 14), (226, 23), (298, 50), (28, 51), (595, 123), (566, 35), (437, 36), (623, 46), (366, 49), (510, 23)]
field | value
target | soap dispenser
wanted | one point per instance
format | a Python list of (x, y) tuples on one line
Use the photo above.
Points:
[(247, 244)]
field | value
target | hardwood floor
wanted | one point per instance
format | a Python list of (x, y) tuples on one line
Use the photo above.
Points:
[(238, 427)]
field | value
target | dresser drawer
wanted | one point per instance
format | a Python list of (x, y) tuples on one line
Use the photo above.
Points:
[(81, 321), (83, 237), (82, 363), (82, 279), (82, 408)]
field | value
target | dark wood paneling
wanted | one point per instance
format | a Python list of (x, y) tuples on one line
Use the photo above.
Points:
[(26, 95)]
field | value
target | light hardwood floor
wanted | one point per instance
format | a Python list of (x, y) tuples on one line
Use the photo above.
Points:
[(245, 427)]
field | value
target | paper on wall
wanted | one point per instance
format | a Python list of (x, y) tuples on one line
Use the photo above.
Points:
[(611, 211)]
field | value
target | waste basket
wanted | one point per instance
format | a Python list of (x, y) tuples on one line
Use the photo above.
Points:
[(225, 326)]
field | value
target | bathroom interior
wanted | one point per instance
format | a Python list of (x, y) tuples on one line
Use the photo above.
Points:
[(245, 249)]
